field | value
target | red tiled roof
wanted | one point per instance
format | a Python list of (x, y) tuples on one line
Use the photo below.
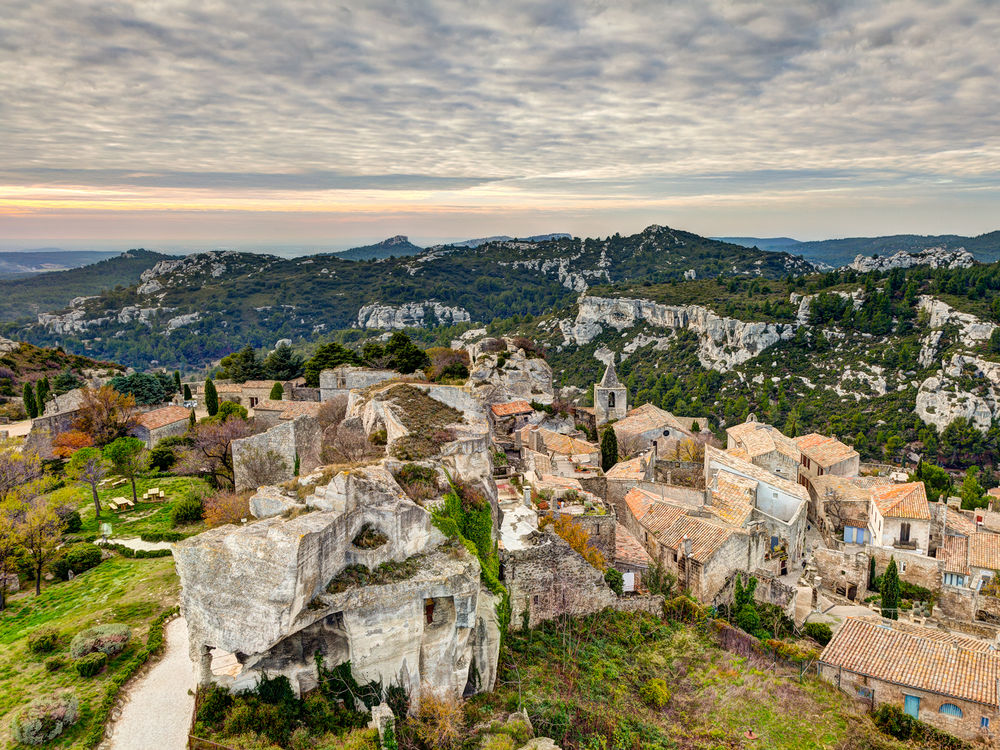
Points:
[(628, 550), (511, 408), (826, 451), (902, 501), (984, 550), (912, 658), (289, 409), (153, 420)]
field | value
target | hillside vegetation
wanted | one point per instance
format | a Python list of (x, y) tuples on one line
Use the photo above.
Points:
[(26, 297)]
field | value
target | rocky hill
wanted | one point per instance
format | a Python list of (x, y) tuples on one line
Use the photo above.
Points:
[(394, 247), (203, 306), (27, 297), (901, 363)]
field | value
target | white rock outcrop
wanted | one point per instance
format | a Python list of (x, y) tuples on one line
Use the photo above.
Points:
[(943, 398), (268, 593), (724, 343), (410, 315), (507, 376), (935, 257)]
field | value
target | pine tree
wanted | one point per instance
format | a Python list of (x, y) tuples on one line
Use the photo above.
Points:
[(277, 392), (695, 427), (30, 405), (609, 448), (211, 398), (890, 591)]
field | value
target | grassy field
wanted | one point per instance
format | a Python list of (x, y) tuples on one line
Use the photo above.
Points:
[(145, 517), (118, 590), (581, 684)]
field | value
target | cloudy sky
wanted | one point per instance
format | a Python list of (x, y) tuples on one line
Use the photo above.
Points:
[(168, 123)]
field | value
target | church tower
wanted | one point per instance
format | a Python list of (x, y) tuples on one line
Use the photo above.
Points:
[(610, 396)]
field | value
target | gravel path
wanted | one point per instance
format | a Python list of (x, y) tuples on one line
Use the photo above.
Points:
[(137, 543), (157, 712)]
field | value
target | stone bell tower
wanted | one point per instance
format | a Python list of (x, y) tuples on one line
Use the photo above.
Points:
[(610, 396)]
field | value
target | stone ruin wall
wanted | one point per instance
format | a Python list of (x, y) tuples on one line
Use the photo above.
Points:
[(300, 437)]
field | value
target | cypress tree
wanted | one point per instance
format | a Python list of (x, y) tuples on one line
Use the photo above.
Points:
[(211, 398), (609, 448), (890, 591), (191, 420), (42, 395), (177, 381), (277, 392), (871, 572), (187, 392), (30, 405)]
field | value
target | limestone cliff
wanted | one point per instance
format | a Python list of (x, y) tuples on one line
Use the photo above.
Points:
[(935, 257), (410, 315), (723, 342), (509, 375)]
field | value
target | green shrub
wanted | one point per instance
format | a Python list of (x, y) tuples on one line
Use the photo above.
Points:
[(109, 639), (891, 720), (77, 558), (91, 664), (615, 580), (43, 641), (45, 719), (818, 631), (162, 536), (54, 663), (185, 511), (495, 742), (72, 522), (654, 692), (379, 437)]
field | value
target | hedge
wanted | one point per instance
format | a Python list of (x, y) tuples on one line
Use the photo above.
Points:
[(91, 664), (124, 551), (154, 644), (162, 536)]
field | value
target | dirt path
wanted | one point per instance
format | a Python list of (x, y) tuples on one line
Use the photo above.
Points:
[(157, 712)]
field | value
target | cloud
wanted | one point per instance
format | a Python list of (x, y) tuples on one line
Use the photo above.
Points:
[(548, 100)]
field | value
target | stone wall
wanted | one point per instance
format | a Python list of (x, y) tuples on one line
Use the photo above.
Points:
[(770, 590), (841, 571), (956, 603), (548, 579), (919, 570), (684, 473), (600, 530), (300, 437), (966, 727)]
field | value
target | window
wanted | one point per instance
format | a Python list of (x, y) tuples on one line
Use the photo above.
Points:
[(904, 532), (954, 579), (819, 471), (611, 401), (950, 709), (911, 706), (984, 722)]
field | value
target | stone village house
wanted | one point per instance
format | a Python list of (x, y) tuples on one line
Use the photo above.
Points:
[(168, 421), (946, 680)]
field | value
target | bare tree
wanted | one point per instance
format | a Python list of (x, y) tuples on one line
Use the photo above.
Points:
[(89, 466), (10, 542), (349, 445), (39, 529), (105, 414), (17, 468), (211, 451), (261, 467)]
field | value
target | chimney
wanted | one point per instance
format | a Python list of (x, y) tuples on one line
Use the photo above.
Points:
[(687, 546)]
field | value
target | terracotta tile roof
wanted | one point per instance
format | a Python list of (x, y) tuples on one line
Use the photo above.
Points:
[(733, 497), (228, 388), (260, 384), (911, 657), (759, 439), (556, 443), (955, 554), (631, 469), (639, 502), (628, 549), (153, 420), (737, 465), (511, 408), (959, 523), (551, 481), (907, 500), (830, 486), (706, 537), (289, 409), (825, 451), (935, 634), (646, 418), (984, 550)]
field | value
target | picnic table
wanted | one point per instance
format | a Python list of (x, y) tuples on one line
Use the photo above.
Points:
[(117, 504), (153, 493)]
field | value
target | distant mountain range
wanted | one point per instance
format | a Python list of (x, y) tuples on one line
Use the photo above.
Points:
[(400, 246), (984, 247), (187, 311), (394, 247), (46, 259)]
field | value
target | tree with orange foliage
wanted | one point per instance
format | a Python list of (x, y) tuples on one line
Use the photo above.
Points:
[(105, 414), (576, 538), (69, 442), (226, 507)]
